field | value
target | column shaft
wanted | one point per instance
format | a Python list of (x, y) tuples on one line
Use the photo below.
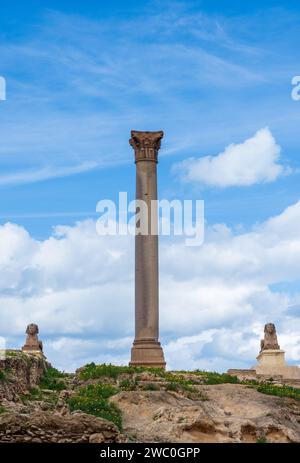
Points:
[(146, 349), (146, 259)]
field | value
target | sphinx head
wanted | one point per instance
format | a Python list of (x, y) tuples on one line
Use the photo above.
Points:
[(270, 328), (32, 329)]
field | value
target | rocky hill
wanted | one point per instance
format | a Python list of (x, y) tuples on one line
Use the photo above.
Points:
[(106, 403)]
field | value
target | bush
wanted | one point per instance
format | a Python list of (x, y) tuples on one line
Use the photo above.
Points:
[(93, 371), (54, 373), (36, 393), (261, 440), (186, 387), (174, 387), (93, 399), (2, 375), (150, 387), (2, 409), (216, 378), (52, 379), (280, 391), (128, 385)]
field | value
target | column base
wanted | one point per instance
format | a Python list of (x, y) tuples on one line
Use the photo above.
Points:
[(147, 353)]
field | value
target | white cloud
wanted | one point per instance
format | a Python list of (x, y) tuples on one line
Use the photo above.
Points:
[(45, 173), (214, 299), (253, 161)]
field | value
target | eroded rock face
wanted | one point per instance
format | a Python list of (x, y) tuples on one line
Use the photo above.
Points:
[(44, 426), (231, 413), (21, 372)]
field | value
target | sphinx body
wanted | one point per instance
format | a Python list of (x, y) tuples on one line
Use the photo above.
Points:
[(32, 342), (270, 338)]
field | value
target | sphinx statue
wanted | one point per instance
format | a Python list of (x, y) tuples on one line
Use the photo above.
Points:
[(270, 338), (32, 342)]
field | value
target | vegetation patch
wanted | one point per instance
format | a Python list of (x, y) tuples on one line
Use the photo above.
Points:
[(93, 371), (173, 387), (179, 384), (36, 394), (280, 391), (150, 387), (93, 399), (40, 395), (261, 440), (212, 377), (2, 409), (2, 375), (128, 384), (53, 380)]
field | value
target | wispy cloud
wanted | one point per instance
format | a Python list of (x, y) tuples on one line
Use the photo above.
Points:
[(88, 82), (46, 173), (48, 215)]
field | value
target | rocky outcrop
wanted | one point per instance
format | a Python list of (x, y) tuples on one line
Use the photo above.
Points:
[(19, 373), (230, 413), (39, 427), (149, 406)]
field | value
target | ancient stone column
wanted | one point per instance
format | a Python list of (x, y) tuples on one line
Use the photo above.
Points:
[(146, 350)]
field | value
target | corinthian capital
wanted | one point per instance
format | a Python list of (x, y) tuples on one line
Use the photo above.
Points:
[(145, 145)]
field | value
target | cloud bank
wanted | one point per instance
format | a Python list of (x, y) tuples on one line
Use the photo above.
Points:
[(214, 299)]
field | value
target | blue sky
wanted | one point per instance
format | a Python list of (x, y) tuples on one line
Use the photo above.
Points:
[(80, 76)]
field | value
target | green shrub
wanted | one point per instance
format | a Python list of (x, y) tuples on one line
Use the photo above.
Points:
[(128, 385), (280, 391), (52, 379), (37, 394), (93, 371), (2, 409), (2, 375), (93, 399), (54, 373), (172, 387), (216, 378), (186, 387), (261, 440), (150, 387)]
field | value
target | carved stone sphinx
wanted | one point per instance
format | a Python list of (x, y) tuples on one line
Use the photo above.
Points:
[(270, 338), (32, 342)]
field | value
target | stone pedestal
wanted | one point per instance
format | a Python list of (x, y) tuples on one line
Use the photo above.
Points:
[(271, 362), (146, 349)]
